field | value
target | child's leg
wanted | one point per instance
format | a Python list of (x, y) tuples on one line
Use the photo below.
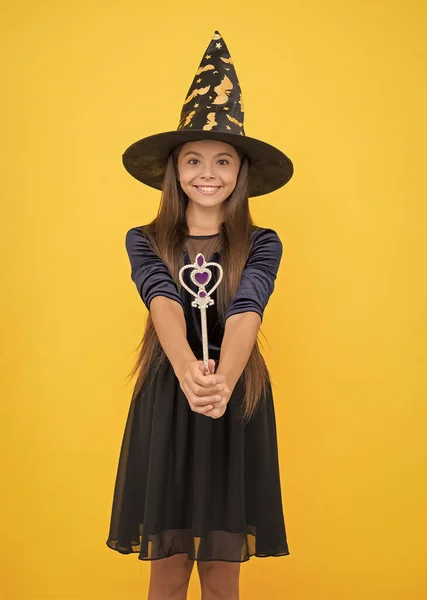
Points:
[(219, 580), (169, 578)]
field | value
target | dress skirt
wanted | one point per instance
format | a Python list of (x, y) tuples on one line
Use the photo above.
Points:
[(190, 484)]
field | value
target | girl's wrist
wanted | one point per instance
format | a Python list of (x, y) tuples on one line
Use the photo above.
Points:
[(181, 366), (229, 378)]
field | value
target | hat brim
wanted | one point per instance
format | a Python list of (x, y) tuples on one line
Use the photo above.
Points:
[(269, 168)]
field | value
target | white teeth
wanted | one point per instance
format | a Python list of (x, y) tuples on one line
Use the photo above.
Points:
[(207, 189)]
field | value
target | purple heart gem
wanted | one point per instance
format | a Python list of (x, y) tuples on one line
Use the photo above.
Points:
[(201, 277), (200, 260)]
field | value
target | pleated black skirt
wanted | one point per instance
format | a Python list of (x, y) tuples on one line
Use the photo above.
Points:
[(190, 484)]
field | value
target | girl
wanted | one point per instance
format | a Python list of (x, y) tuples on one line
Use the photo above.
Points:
[(198, 474)]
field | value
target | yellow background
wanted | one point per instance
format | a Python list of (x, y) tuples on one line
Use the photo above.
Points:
[(340, 87)]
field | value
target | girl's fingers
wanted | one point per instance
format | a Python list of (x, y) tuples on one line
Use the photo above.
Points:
[(205, 400), (211, 366), (207, 381), (201, 391), (205, 393), (197, 376), (216, 412), (195, 400), (199, 395), (203, 409)]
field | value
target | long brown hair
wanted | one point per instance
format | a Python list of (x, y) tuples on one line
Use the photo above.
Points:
[(166, 234)]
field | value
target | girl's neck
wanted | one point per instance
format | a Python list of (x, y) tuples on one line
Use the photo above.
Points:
[(202, 224)]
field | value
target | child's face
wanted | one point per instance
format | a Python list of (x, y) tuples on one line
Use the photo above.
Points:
[(208, 171)]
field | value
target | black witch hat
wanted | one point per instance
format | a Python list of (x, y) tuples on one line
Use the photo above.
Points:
[(213, 109)]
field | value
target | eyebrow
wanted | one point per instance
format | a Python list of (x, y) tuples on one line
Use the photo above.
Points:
[(219, 153)]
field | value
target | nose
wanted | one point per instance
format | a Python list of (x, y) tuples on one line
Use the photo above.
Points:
[(207, 171), (208, 175)]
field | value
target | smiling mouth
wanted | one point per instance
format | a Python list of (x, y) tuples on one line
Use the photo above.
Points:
[(207, 190)]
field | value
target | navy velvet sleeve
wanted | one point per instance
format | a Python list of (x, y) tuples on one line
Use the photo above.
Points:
[(259, 274), (148, 271)]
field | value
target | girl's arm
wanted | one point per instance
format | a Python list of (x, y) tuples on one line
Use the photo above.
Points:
[(171, 328), (240, 334), (245, 314)]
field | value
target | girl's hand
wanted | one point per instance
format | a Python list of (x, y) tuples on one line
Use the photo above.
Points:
[(220, 407), (203, 392)]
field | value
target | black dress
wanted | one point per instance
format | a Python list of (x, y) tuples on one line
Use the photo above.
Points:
[(187, 483)]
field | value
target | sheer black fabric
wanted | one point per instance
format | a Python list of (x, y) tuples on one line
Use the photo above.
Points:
[(186, 483)]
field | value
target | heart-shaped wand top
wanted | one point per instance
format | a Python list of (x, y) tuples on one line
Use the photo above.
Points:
[(200, 276)]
